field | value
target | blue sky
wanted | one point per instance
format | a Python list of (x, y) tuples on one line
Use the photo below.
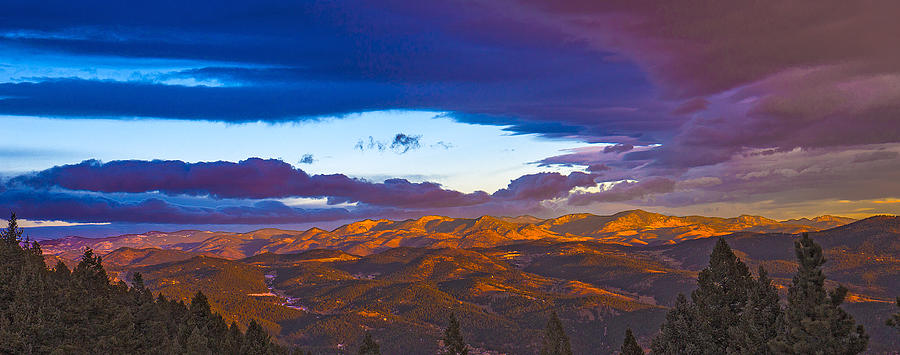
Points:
[(461, 156), (476, 107)]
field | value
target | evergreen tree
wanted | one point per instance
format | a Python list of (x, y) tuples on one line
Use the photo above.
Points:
[(256, 341), (200, 306), (12, 234), (233, 340), (197, 343), (630, 345), (894, 320), (137, 281), (55, 311), (814, 322), (720, 298), (453, 341), (369, 346), (677, 334), (760, 321), (556, 342), (89, 272)]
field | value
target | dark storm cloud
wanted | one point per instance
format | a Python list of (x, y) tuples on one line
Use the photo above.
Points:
[(295, 61), (249, 179), (543, 186), (535, 66), (800, 78), (46, 205), (624, 191), (118, 191)]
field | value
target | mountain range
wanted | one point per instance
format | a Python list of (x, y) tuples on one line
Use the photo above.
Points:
[(365, 237), (323, 290)]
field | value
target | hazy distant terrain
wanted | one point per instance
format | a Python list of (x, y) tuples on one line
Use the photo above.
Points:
[(501, 276)]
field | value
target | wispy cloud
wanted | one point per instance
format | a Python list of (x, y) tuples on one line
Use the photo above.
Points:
[(401, 144)]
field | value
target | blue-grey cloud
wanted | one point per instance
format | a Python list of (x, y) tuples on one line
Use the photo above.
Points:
[(442, 144), (295, 61), (307, 159), (403, 143)]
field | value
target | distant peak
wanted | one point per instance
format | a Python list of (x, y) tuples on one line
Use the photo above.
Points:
[(521, 219), (637, 212), (433, 216)]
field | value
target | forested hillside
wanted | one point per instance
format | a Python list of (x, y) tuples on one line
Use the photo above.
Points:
[(78, 311)]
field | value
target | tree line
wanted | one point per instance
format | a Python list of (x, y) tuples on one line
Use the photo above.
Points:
[(79, 311)]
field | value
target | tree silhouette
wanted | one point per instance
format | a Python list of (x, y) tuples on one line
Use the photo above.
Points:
[(55, 311), (677, 334), (814, 322), (630, 345), (720, 297), (256, 341), (369, 346), (761, 320), (453, 341), (12, 234), (556, 342)]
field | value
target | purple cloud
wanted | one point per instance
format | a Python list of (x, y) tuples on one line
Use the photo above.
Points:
[(624, 191), (87, 208), (543, 186), (618, 148), (253, 178)]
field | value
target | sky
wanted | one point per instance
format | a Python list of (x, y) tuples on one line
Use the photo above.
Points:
[(121, 117)]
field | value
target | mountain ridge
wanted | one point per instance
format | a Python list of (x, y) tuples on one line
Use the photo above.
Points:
[(633, 227)]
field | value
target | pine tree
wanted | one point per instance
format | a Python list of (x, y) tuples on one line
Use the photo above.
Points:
[(233, 340), (197, 343), (814, 322), (137, 281), (55, 311), (256, 341), (12, 234), (760, 321), (677, 334), (200, 306), (90, 273), (720, 297), (630, 345), (369, 346), (453, 341), (894, 320), (556, 342)]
